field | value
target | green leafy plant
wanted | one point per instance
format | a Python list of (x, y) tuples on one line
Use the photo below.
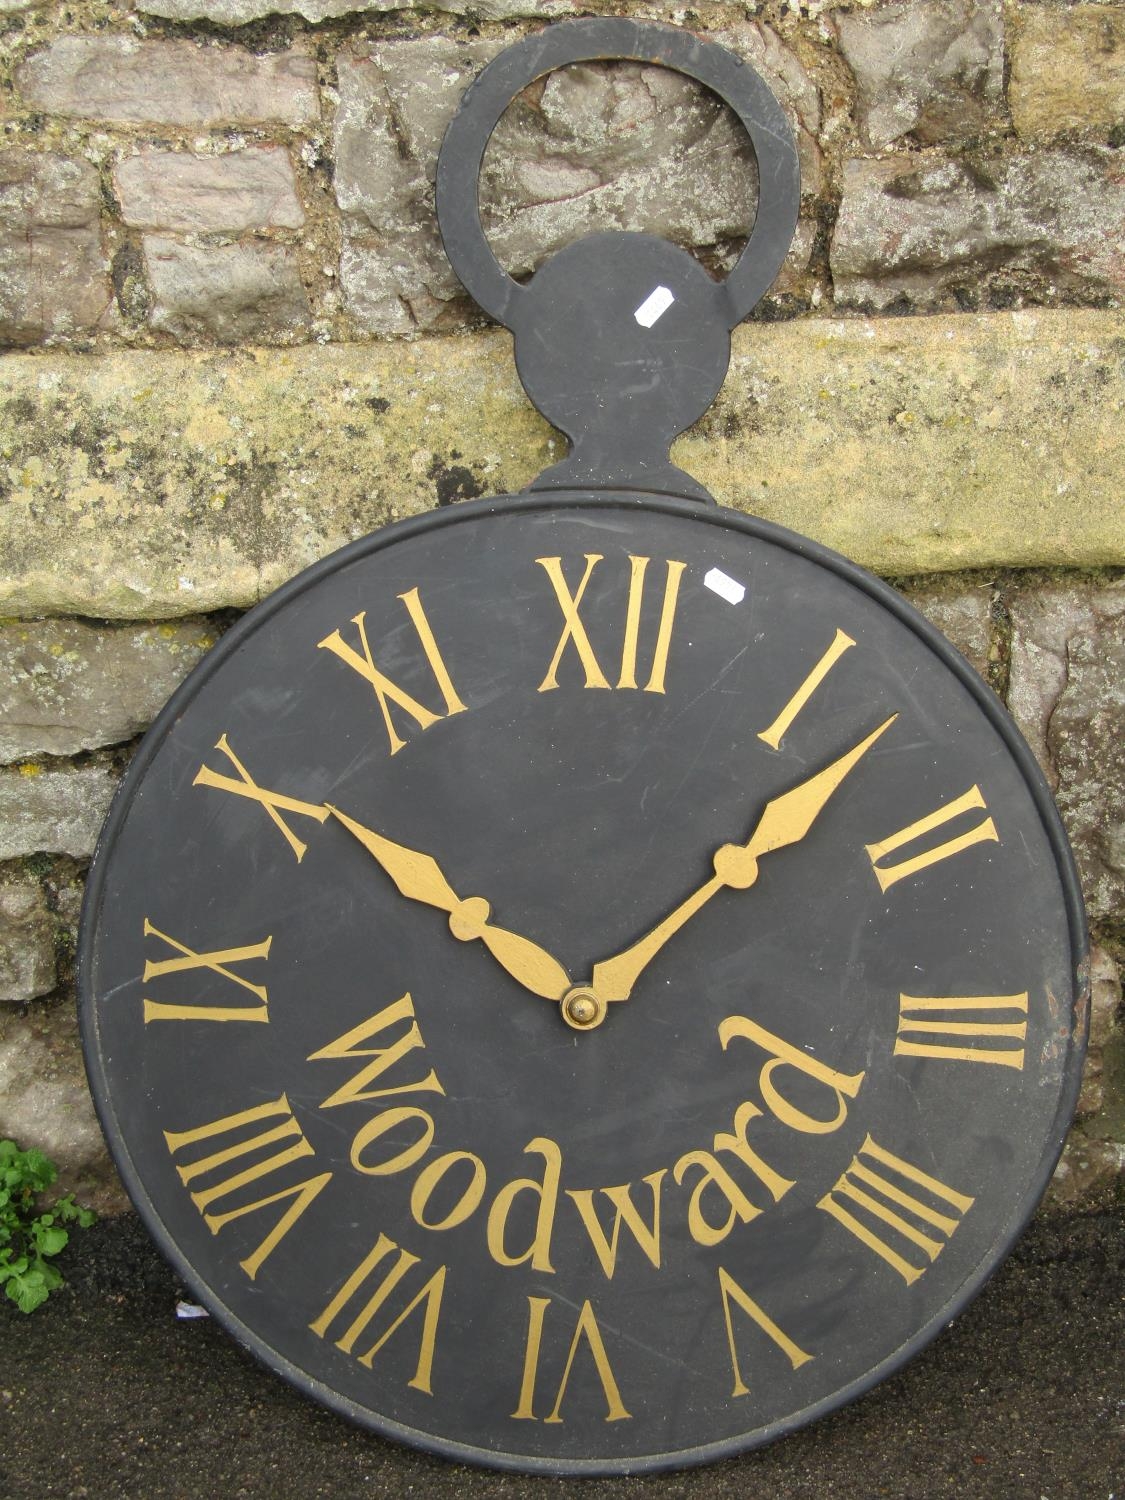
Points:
[(29, 1240)]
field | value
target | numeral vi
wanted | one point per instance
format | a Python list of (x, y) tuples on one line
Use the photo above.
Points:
[(575, 635)]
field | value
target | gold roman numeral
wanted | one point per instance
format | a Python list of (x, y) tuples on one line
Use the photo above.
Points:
[(275, 803), (984, 831), (585, 1330), (574, 629), (966, 1040), (227, 1182), (859, 1184), (370, 1299), (732, 1292), (776, 731), (388, 692), (218, 962)]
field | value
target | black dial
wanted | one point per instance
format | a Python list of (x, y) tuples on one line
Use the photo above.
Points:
[(584, 983)]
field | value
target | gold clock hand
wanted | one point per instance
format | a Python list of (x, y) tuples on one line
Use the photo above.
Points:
[(785, 820), (419, 877)]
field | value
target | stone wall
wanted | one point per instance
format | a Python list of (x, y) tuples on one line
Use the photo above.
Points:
[(233, 343)]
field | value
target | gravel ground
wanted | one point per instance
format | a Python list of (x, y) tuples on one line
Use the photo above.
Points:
[(104, 1394)]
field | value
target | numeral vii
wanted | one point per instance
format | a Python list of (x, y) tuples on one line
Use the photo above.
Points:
[(368, 1297), (574, 632)]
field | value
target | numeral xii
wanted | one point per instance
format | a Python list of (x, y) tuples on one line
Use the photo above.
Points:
[(575, 635)]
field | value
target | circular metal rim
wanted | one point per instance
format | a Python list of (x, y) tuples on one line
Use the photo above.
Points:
[(735, 82), (753, 526)]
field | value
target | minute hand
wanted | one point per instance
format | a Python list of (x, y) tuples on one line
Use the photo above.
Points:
[(785, 820), (419, 877)]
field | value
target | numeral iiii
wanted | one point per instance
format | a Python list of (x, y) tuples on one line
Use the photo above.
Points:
[(893, 1236)]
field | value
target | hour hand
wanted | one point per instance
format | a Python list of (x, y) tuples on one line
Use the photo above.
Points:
[(419, 877)]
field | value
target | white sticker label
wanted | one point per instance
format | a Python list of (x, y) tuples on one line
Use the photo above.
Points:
[(655, 305), (726, 587)]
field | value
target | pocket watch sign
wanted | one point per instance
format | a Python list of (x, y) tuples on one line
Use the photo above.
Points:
[(587, 981)]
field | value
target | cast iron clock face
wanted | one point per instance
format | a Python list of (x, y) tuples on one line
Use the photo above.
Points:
[(583, 983)]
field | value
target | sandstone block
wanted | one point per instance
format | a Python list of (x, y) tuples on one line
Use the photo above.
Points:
[(66, 686), (593, 148), (53, 811), (924, 230), (1068, 70), (44, 1102), (171, 82), (230, 293), (27, 944), (187, 193), (933, 69), (152, 484), (1067, 693), (53, 272), (239, 12)]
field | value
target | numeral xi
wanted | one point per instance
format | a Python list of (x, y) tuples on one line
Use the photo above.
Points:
[(388, 692)]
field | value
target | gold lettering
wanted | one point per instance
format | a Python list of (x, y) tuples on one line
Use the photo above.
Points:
[(730, 1290), (538, 1253), (275, 803), (843, 1085), (985, 831), (217, 960), (849, 1185), (388, 692), (916, 1018), (773, 735), (702, 1230), (430, 1294), (715, 1175), (431, 1175), (379, 1125), (586, 1328), (302, 1192), (384, 1058), (647, 1236)]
